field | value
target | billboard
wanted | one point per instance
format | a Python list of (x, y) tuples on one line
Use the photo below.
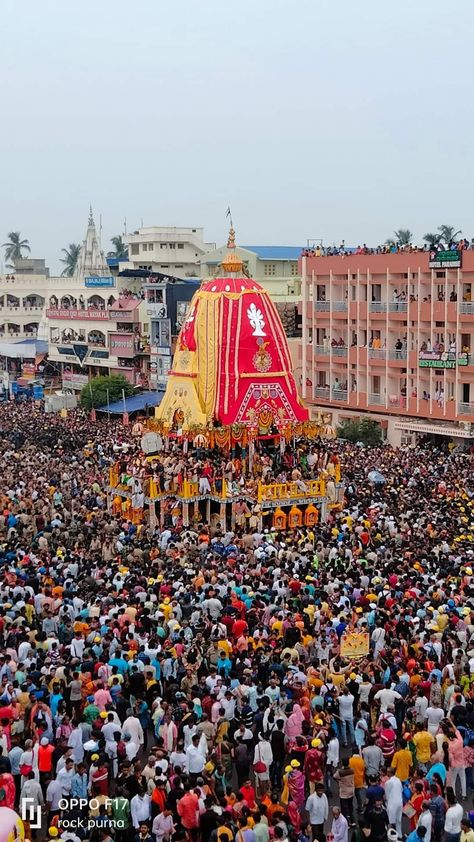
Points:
[(442, 359), (99, 281), (445, 259), (122, 344)]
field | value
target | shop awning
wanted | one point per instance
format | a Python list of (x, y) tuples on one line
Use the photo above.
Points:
[(135, 403)]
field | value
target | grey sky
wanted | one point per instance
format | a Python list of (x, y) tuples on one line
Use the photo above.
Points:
[(329, 118)]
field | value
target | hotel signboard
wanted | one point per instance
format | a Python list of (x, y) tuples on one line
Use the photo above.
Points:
[(448, 259), (445, 359)]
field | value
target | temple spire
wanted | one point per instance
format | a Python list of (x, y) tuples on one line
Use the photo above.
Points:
[(91, 216)]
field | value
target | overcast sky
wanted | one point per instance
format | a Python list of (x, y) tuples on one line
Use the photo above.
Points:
[(311, 118)]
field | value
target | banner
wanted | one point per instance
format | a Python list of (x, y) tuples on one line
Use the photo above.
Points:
[(355, 645), (445, 259)]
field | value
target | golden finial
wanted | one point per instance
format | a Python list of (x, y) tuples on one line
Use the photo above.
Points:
[(232, 262)]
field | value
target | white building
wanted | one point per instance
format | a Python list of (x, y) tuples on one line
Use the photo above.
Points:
[(95, 320), (23, 295), (168, 250)]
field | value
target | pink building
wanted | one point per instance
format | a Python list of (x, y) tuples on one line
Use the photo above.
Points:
[(392, 336)]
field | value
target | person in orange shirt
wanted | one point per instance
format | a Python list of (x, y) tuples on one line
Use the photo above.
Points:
[(357, 765)]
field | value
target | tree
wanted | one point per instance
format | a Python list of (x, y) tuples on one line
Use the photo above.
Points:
[(403, 236), (433, 240), (120, 249), (101, 391), (15, 247), (71, 256), (448, 234), (366, 431)]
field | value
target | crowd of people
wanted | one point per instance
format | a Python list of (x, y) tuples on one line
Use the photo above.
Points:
[(389, 247), (164, 683)]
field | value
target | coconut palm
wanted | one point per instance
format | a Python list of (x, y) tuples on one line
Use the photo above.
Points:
[(120, 249), (71, 256), (403, 236), (449, 234), (15, 247), (433, 240)]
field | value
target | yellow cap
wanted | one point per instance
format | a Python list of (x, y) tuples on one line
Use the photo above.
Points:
[(319, 722), (316, 743), (352, 676), (103, 714), (295, 764), (94, 756), (53, 831)]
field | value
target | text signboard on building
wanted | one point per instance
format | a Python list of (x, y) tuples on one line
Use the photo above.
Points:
[(99, 281), (122, 344), (445, 359), (449, 259), (64, 313), (75, 381)]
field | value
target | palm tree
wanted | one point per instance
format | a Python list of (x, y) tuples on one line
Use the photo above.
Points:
[(120, 249), (71, 256), (449, 234), (15, 247), (403, 236), (433, 240)]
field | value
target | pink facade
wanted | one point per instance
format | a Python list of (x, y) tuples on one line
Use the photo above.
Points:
[(389, 335)]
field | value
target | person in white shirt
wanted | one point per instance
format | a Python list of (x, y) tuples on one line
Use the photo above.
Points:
[(140, 808), (434, 715), (387, 697), (453, 817), (394, 799), (339, 827), (133, 727), (195, 757), (163, 825), (426, 820), (318, 810), (54, 794)]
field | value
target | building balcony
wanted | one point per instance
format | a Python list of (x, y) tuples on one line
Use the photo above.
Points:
[(466, 308), (321, 350), (339, 350), (20, 310), (73, 314), (377, 307), (465, 408), (322, 392), (377, 354), (377, 400), (398, 307), (339, 395), (398, 356), (322, 306), (339, 306)]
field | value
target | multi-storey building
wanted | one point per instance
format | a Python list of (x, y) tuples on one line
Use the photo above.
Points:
[(97, 321), (167, 250), (23, 294), (391, 335)]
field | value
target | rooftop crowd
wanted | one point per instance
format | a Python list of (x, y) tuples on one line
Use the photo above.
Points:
[(386, 248), (177, 683)]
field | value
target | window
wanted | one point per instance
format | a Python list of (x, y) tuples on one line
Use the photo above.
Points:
[(293, 268), (165, 266), (269, 269), (181, 245), (163, 245), (134, 248), (172, 245), (179, 266), (150, 247), (144, 246)]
